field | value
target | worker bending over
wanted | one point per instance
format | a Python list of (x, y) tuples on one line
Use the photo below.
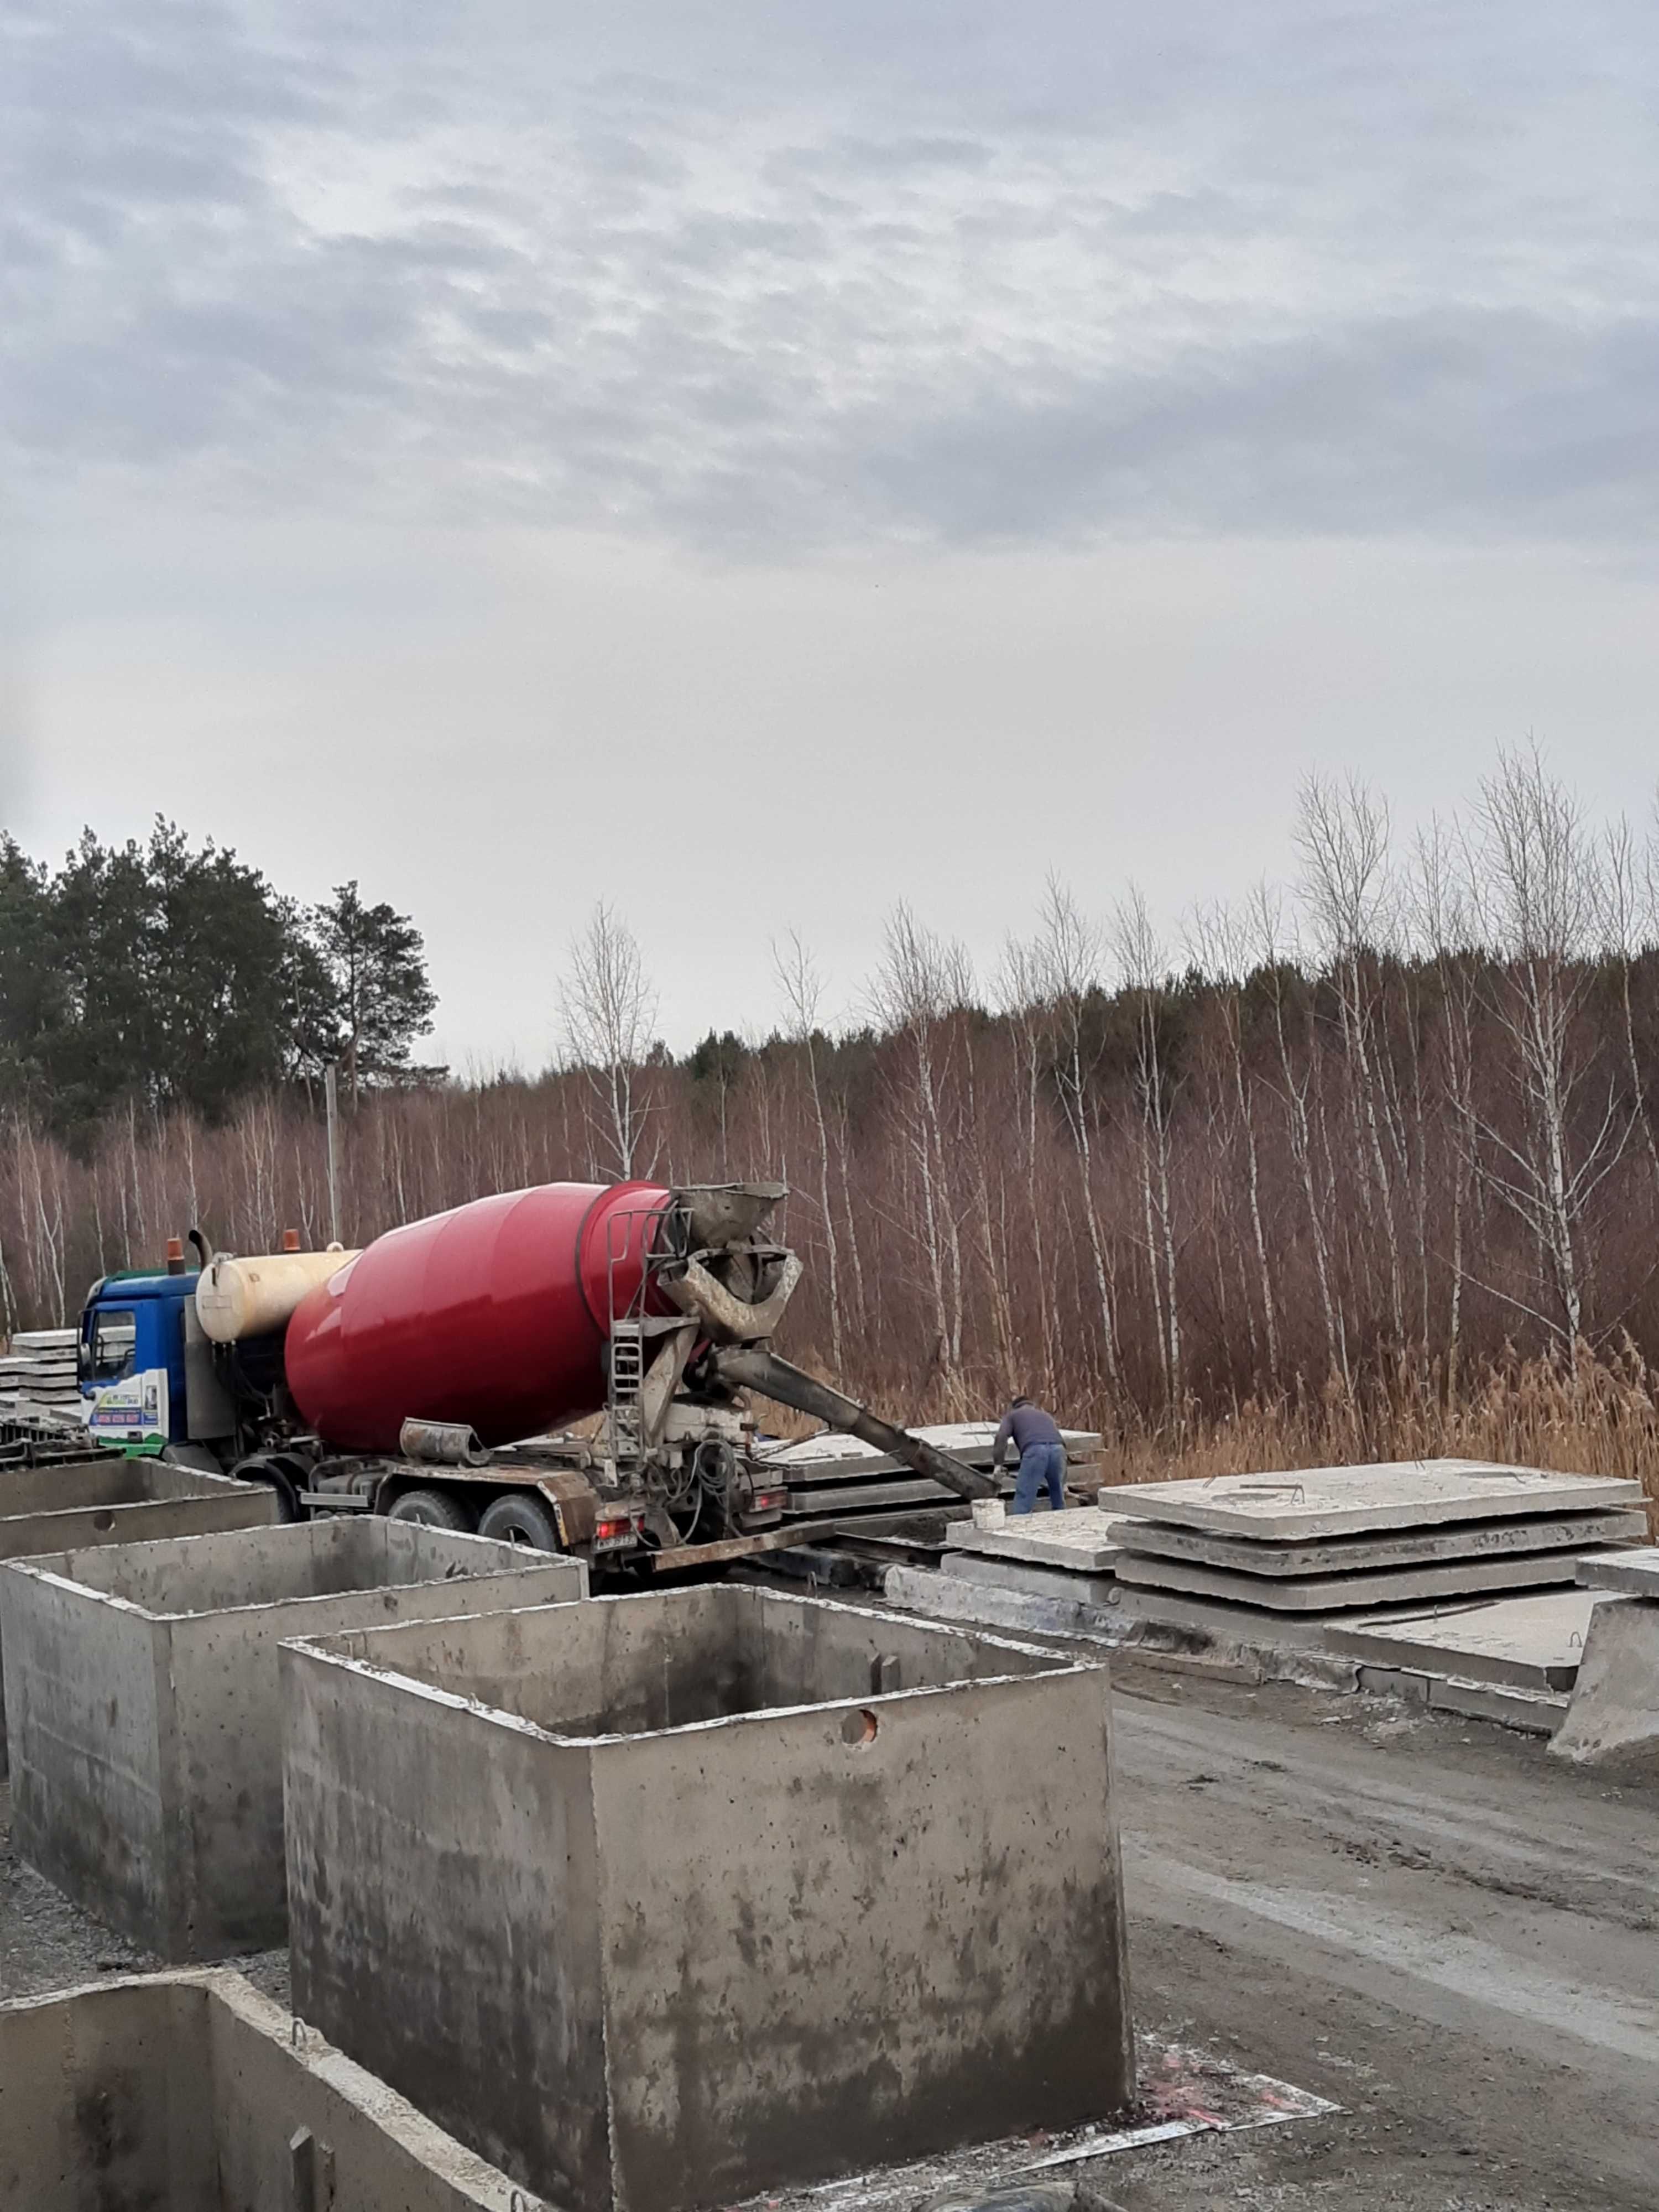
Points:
[(1041, 1454)]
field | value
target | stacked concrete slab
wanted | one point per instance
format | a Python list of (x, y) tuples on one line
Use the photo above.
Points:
[(194, 2092), (1323, 1542), (141, 1704), (659, 1901), (1613, 1717), (111, 1500), (38, 1378), (1449, 1582), (1071, 1555), (832, 1473)]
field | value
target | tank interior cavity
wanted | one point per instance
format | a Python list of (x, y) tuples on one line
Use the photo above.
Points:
[(625, 1667), (314, 1558), (195, 2093), (112, 1479)]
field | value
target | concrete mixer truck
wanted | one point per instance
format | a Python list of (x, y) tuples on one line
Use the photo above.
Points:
[(436, 1375)]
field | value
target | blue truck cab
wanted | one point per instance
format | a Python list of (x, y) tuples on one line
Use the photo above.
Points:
[(130, 1360)]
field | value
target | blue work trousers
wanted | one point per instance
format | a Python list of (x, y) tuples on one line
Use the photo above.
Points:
[(1040, 1463)]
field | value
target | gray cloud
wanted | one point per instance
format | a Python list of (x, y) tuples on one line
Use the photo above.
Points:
[(956, 273), (1470, 422)]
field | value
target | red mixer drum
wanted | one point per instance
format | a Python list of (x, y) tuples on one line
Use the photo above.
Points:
[(494, 1314)]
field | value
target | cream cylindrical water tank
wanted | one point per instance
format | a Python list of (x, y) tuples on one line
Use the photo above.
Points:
[(242, 1297)]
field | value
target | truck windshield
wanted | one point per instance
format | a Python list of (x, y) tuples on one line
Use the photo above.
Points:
[(114, 1338)]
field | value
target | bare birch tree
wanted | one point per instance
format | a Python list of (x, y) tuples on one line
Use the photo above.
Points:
[(802, 992), (1144, 967), (1021, 993), (1533, 880), (1067, 963), (1445, 933), (1219, 946), (1342, 833), (916, 990), (1295, 1086), (609, 1017), (1628, 931)]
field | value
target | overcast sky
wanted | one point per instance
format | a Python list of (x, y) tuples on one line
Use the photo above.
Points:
[(758, 462)]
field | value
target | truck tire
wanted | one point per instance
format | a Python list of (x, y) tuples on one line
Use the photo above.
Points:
[(432, 1509), (516, 1518), (277, 1475)]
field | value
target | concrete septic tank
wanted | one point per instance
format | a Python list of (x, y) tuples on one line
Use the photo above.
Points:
[(192, 2092), (141, 1691), (659, 1901), (114, 1500)]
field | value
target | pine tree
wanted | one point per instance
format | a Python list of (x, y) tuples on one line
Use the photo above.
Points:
[(382, 1000)]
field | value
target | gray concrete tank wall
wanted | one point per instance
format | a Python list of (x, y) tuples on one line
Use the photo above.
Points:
[(115, 1500), (189, 2092), (142, 1690), (796, 1887)]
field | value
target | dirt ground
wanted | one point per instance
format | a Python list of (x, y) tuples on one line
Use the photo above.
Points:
[(1423, 1920)]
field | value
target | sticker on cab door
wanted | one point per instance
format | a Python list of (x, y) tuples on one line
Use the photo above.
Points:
[(135, 1408)]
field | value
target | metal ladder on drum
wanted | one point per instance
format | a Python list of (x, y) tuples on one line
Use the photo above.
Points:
[(627, 1377)]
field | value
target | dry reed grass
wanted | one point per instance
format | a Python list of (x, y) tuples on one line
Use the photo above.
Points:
[(1595, 1416)]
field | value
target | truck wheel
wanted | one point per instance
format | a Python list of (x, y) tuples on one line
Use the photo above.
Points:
[(432, 1508), (516, 1518), (275, 1476)]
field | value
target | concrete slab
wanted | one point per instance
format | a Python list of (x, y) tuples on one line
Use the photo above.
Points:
[(816, 1501), (142, 1702), (1250, 1626), (1461, 1539), (832, 1473), (821, 1457), (194, 2092), (1634, 1574), (1535, 1713), (1531, 1643), (113, 1500), (1337, 1501), (1041, 1581), (1613, 1720), (648, 1898), (1083, 1539), (986, 1605), (1351, 1593)]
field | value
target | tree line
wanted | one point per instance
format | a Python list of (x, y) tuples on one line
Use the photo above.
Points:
[(1395, 1118), (166, 978)]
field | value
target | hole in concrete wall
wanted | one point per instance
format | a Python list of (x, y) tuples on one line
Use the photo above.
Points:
[(103, 1522), (860, 1728)]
